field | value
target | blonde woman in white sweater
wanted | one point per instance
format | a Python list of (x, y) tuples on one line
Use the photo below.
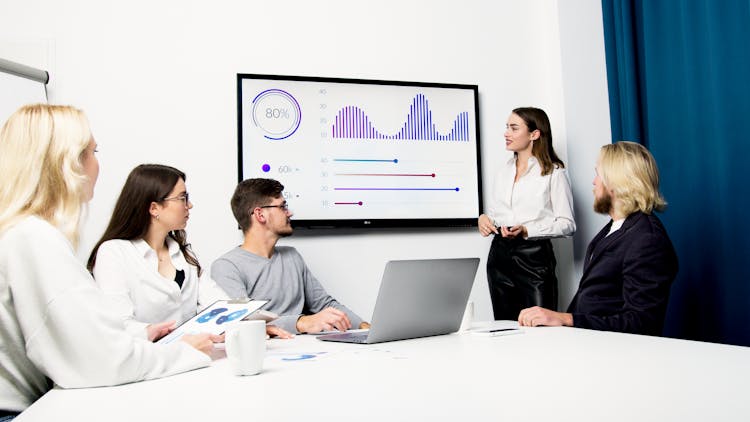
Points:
[(55, 324)]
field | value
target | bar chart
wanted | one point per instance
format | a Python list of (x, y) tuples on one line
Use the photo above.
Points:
[(352, 122)]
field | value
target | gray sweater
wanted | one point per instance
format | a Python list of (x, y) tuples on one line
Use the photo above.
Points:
[(284, 279)]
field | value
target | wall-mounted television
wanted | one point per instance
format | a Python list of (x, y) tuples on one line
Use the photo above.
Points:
[(363, 153)]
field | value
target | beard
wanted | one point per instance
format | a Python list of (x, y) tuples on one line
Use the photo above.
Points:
[(603, 204), (286, 231)]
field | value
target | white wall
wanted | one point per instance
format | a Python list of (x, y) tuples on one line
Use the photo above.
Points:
[(586, 114), (157, 80)]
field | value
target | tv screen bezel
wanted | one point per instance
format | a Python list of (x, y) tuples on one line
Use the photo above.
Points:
[(370, 223)]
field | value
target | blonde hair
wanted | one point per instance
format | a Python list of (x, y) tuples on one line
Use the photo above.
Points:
[(630, 171), (41, 172)]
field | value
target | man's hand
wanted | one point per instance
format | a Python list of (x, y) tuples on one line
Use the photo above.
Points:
[(326, 320), (536, 316), (275, 331), (159, 329), (486, 226)]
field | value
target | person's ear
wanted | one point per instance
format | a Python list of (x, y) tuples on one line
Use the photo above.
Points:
[(535, 135), (258, 214), (154, 209)]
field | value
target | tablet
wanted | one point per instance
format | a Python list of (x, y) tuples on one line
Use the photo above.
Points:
[(215, 318)]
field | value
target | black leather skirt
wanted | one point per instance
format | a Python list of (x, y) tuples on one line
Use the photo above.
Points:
[(521, 274)]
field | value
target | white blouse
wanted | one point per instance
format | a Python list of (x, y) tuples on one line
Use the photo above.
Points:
[(56, 324), (543, 204), (128, 271)]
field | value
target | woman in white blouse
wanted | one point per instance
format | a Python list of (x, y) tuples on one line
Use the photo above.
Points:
[(143, 260), (56, 326), (531, 202)]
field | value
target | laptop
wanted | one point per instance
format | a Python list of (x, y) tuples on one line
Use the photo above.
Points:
[(417, 298)]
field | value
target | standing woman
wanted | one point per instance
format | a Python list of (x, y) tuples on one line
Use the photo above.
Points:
[(55, 325), (143, 260), (531, 202)]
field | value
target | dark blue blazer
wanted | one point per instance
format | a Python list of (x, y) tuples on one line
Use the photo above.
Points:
[(626, 278)]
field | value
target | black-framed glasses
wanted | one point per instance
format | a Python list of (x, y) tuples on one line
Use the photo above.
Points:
[(185, 198), (283, 206)]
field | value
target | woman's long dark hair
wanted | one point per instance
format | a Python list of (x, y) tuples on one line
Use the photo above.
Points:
[(131, 218), (536, 119)]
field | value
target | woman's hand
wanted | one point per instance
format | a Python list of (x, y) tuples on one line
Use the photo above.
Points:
[(204, 342), (486, 226), (159, 329), (514, 231)]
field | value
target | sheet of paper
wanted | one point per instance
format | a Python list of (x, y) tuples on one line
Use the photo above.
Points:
[(287, 356)]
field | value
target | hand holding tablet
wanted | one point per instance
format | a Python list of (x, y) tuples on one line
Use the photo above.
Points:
[(216, 318)]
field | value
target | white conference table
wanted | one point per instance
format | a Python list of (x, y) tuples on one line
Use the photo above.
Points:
[(546, 373)]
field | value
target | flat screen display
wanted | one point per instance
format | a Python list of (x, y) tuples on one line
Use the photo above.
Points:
[(363, 153)]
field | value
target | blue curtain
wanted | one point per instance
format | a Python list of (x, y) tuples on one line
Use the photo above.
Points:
[(679, 82)]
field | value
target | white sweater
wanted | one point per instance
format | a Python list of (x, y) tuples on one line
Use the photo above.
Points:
[(128, 272), (56, 323)]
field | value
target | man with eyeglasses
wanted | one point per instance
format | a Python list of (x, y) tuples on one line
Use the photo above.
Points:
[(260, 269)]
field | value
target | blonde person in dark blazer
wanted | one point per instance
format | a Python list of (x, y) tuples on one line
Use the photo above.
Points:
[(631, 263)]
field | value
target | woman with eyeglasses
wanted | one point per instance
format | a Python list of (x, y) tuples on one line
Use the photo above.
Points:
[(144, 261)]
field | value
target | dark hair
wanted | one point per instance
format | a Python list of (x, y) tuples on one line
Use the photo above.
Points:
[(131, 219), (253, 193), (536, 119)]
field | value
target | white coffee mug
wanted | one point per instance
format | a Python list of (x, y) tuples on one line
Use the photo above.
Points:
[(245, 343)]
